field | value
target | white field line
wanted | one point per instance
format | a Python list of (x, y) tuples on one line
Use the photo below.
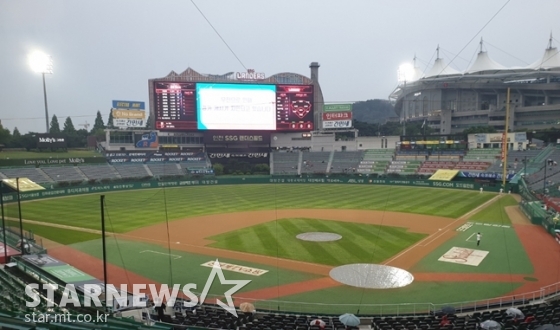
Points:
[(166, 254), (437, 234), (433, 238)]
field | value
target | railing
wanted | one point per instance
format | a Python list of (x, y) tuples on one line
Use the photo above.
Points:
[(284, 306)]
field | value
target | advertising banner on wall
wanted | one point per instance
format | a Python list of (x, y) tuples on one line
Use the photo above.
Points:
[(214, 155), (130, 105), (128, 118), (229, 137), (337, 124), (51, 141), (337, 115), (146, 140), (337, 108)]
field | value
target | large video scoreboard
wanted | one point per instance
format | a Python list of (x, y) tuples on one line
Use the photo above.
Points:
[(228, 106)]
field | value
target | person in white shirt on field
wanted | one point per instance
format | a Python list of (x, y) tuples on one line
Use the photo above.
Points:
[(478, 237)]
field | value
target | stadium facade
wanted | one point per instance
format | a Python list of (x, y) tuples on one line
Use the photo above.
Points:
[(451, 101)]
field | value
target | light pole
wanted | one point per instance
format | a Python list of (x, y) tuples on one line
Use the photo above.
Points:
[(404, 74), (42, 63)]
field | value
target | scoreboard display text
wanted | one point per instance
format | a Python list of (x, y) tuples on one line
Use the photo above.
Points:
[(222, 106), (228, 137)]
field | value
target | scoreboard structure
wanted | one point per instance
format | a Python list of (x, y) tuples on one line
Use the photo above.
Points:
[(245, 101)]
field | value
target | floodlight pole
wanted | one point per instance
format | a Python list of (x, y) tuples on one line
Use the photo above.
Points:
[(46, 106), (20, 219), (3, 221), (102, 201)]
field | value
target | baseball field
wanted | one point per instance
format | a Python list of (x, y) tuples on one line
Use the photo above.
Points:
[(172, 236)]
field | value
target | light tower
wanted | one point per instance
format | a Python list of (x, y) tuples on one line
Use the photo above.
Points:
[(42, 63)]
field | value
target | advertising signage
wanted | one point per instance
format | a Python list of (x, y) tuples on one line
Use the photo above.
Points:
[(228, 137), (337, 124), (214, 155), (337, 108), (128, 118), (337, 115), (129, 105), (51, 141)]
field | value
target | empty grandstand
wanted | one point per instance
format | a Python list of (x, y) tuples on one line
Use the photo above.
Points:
[(376, 161), (346, 162), (285, 162), (315, 162)]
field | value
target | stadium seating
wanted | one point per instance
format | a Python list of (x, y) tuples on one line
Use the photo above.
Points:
[(32, 173), (404, 167), (315, 162), (99, 172), (376, 161), (285, 162), (127, 171), (489, 155), (412, 155), (429, 167), (64, 173), (538, 181), (346, 161), (165, 169)]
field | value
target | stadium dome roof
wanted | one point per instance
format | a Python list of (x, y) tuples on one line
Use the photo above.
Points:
[(483, 63), (441, 68), (550, 59)]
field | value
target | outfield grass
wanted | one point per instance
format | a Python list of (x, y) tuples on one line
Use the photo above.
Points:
[(506, 253), (130, 210), (46, 155), (153, 262), (495, 212), (59, 235), (360, 243)]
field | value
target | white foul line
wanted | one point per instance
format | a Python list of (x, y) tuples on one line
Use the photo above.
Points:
[(439, 234), (468, 238), (167, 254)]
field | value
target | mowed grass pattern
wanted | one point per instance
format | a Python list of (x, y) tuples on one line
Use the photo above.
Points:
[(495, 213), (360, 243), (130, 210), (59, 235)]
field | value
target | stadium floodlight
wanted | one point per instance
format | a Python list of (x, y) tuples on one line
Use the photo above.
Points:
[(405, 73), (42, 63)]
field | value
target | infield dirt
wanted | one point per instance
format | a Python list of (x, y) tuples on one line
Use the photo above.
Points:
[(191, 234)]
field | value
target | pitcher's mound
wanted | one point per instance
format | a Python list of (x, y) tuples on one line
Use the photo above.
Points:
[(319, 237), (371, 276)]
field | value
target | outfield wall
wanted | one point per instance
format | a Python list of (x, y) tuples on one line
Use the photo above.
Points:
[(88, 189)]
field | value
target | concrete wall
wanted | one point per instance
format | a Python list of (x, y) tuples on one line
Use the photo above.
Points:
[(375, 142), (289, 140)]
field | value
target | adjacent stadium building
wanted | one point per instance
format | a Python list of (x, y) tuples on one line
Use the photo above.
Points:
[(451, 101)]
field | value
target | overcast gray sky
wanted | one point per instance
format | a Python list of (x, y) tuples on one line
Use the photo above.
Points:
[(107, 50)]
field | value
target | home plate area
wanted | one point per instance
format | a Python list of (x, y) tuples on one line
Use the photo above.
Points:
[(464, 256)]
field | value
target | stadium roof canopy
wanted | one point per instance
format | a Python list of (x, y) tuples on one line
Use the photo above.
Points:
[(550, 60), (484, 65)]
